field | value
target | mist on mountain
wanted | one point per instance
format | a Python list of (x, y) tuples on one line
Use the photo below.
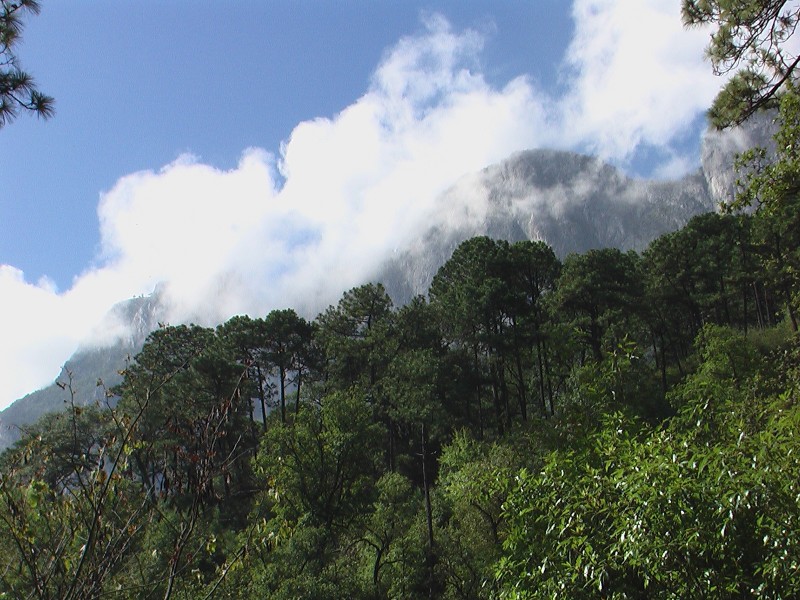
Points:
[(571, 201)]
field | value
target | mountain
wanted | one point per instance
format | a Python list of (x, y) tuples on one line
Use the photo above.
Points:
[(90, 371), (719, 150), (571, 201)]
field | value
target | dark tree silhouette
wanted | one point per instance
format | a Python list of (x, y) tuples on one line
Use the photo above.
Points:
[(18, 90)]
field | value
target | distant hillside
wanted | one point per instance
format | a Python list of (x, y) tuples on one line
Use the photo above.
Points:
[(93, 370)]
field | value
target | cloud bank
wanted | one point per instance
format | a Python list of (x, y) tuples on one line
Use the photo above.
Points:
[(299, 226)]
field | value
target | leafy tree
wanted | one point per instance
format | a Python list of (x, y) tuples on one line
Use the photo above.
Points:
[(17, 88), (320, 467), (246, 339), (70, 517), (350, 336), (703, 506), (276, 352), (599, 294), (465, 293), (752, 40), (188, 454), (489, 300), (392, 552), (151, 387), (318, 478), (673, 313), (358, 347), (413, 392), (705, 273), (771, 186), (471, 491), (529, 271), (712, 243), (288, 349)]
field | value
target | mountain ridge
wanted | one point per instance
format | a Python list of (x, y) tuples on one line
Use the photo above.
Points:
[(571, 201)]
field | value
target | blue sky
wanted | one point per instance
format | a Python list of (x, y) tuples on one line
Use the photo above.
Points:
[(138, 83), (188, 139)]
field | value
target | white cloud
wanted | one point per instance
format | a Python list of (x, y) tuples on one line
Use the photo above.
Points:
[(638, 77), (344, 192)]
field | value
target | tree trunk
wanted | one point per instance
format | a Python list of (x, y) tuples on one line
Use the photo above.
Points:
[(430, 555), (282, 384)]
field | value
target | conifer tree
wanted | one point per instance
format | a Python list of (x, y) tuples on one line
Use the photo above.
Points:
[(18, 90)]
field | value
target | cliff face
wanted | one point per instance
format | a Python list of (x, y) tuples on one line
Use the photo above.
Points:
[(719, 150)]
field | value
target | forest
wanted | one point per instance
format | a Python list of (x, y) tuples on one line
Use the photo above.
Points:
[(616, 424), (610, 425)]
